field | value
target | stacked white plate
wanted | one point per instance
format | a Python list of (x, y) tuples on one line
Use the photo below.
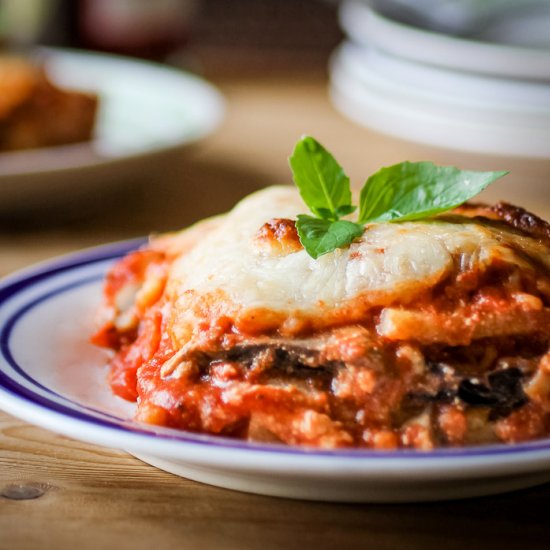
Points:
[(441, 90)]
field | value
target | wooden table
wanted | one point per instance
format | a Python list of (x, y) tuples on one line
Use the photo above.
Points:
[(90, 497)]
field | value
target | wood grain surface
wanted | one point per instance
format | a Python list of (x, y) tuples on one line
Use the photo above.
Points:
[(90, 497), (58, 493)]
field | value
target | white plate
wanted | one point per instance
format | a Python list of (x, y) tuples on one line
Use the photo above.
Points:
[(440, 107), (368, 27), (145, 109), (51, 376)]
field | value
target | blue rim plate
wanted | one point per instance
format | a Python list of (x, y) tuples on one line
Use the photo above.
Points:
[(51, 376)]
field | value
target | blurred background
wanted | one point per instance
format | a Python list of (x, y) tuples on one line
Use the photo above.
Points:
[(234, 38), (461, 82)]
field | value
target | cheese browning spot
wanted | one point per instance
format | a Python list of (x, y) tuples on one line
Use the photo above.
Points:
[(278, 237)]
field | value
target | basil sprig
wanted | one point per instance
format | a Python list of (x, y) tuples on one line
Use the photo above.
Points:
[(404, 191), (325, 188)]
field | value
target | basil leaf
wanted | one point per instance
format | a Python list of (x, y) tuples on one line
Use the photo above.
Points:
[(415, 190), (345, 210), (324, 213), (321, 180), (319, 237)]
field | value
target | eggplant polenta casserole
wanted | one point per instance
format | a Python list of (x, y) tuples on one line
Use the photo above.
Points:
[(425, 323)]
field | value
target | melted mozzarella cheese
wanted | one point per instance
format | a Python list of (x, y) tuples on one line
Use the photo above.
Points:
[(391, 261)]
